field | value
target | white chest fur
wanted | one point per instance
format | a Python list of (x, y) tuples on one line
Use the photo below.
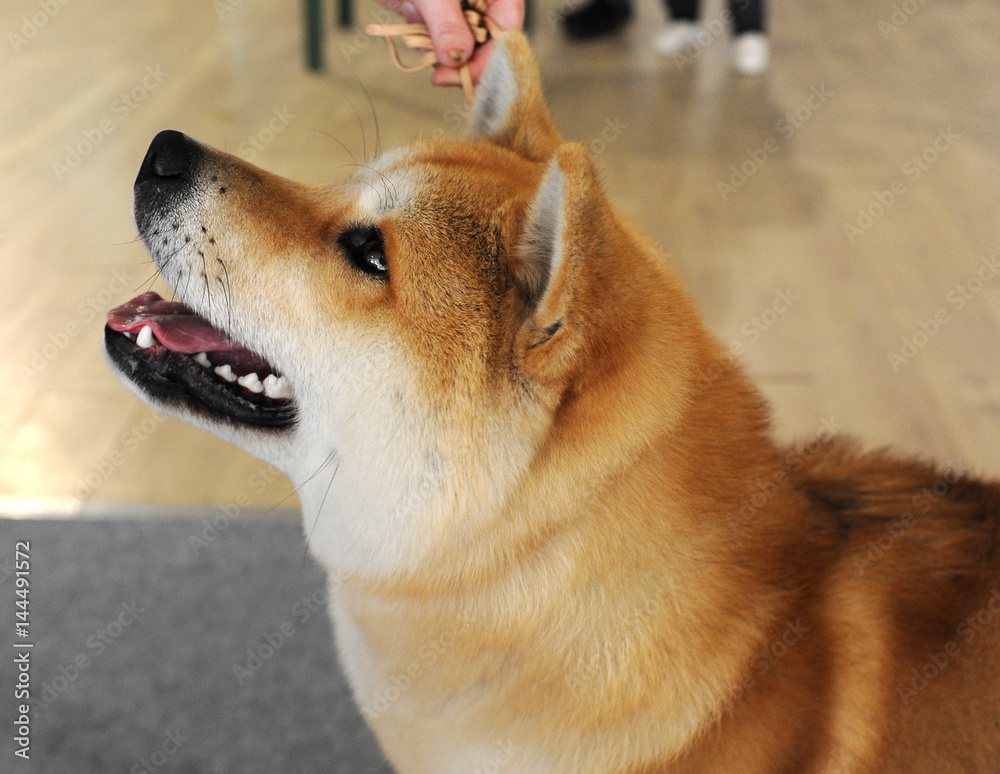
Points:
[(421, 731)]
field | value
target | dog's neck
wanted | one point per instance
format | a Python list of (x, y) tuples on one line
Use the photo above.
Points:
[(461, 503), (505, 562)]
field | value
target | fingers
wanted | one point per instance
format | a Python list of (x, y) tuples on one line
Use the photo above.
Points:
[(448, 76), (453, 41), (404, 8), (392, 5), (508, 14), (409, 12)]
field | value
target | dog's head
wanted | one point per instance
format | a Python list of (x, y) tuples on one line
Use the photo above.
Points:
[(427, 328)]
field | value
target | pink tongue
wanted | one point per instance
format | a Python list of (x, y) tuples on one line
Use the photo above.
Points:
[(176, 326)]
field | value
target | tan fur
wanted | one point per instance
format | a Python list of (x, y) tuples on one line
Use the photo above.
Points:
[(615, 540)]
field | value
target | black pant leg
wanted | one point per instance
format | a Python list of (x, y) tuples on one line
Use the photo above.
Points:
[(748, 15), (683, 10)]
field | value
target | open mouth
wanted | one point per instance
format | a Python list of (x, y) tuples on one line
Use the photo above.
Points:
[(175, 355)]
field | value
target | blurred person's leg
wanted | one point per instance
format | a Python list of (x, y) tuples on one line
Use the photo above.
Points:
[(681, 30), (597, 18), (751, 52)]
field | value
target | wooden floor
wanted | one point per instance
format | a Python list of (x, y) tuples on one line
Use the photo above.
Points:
[(827, 216)]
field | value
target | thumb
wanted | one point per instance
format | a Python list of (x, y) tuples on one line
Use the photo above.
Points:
[(453, 41)]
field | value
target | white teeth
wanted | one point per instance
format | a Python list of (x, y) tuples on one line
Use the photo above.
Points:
[(273, 386), (251, 382), (145, 337), (202, 359), (276, 387), (130, 336)]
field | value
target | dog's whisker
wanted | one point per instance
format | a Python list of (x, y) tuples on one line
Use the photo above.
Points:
[(360, 122), (227, 290), (342, 144), (147, 283), (204, 275), (319, 511), (371, 107), (132, 241), (187, 282), (386, 184), (376, 190), (323, 465)]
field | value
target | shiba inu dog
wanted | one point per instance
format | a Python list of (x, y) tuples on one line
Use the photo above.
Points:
[(560, 536)]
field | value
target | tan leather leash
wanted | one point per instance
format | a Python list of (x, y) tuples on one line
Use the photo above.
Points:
[(418, 37)]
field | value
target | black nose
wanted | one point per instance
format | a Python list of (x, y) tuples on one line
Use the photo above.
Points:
[(171, 156)]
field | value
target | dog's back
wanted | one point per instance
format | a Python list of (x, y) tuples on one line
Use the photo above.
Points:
[(918, 555)]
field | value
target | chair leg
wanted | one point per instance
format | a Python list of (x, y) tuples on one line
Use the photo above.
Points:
[(315, 38), (345, 13)]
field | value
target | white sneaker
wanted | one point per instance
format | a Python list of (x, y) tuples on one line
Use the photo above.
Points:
[(751, 53), (675, 36)]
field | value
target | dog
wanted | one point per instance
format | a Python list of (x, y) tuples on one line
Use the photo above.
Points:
[(559, 534)]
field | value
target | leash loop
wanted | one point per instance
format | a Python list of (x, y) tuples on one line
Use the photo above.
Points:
[(416, 37)]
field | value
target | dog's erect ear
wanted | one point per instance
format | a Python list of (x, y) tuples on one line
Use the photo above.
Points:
[(510, 109), (563, 231)]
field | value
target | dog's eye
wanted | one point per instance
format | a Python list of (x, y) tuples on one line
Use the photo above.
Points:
[(376, 259), (365, 250)]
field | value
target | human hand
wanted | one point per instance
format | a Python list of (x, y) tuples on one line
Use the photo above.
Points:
[(453, 41)]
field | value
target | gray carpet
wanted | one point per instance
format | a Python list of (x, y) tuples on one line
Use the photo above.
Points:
[(136, 631)]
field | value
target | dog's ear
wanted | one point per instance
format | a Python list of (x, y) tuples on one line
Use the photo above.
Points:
[(563, 232), (510, 109)]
